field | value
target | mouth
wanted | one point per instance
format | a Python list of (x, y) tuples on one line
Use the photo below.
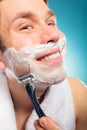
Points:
[(53, 55)]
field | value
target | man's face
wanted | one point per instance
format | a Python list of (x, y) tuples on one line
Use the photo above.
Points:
[(30, 23), (27, 22)]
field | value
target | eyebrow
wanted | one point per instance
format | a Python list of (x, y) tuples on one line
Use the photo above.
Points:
[(51, 13), (28, 14), (23, 15)]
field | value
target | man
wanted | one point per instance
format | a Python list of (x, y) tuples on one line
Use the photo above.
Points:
[(26, 24)]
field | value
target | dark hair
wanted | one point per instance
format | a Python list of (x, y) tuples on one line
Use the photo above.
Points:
[(2, 47), (46, 1)]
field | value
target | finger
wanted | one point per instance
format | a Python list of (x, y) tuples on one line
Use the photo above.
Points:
[(37, 125), (48, 124)]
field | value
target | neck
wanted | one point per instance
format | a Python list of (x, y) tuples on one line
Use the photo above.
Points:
[(19, 95)]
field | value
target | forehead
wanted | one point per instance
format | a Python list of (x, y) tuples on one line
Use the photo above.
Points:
[(12, 7)]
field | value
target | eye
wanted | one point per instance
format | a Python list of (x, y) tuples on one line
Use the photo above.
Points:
[(26, 27), (51, 23)]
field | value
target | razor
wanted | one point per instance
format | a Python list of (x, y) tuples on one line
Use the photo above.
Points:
[(27, 81)]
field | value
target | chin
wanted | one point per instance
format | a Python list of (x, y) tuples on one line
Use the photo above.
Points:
[(50, 74)]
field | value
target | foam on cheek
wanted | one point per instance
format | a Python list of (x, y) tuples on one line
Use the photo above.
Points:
[(35, 51), (24, 62)]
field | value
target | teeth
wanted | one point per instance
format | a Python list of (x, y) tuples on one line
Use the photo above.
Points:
[(46, 58), (50, 57)]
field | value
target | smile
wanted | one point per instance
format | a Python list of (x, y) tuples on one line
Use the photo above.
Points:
[(51, 57), (52, 52)]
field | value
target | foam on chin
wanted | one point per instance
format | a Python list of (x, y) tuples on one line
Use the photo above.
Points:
[(46, 73)]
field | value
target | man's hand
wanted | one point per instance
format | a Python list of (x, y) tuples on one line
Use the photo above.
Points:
[(46, 123)]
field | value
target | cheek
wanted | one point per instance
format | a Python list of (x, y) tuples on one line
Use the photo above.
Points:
[(61, 34), (20, 40)]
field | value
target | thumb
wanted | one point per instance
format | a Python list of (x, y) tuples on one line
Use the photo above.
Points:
[(48, 124)]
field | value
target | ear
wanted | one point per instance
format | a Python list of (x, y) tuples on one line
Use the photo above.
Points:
[(2, 64)]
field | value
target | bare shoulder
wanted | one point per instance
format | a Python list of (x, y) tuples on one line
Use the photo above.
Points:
[(79, 92), (77, 84), (79, 89)]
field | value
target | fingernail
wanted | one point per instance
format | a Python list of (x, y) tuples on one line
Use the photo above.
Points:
[(43, 122)]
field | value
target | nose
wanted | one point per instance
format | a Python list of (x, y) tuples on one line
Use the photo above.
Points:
[(49, 34)]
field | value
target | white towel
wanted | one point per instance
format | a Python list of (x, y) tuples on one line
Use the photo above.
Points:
[(58, 104), (7, 115)]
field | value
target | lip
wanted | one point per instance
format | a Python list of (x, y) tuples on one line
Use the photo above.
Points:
[(56, 60), (47, 53)]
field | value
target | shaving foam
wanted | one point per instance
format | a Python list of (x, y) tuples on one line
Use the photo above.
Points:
[(24, 61)]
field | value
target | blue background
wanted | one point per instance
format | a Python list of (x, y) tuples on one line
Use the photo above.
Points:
[(72, 20)]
